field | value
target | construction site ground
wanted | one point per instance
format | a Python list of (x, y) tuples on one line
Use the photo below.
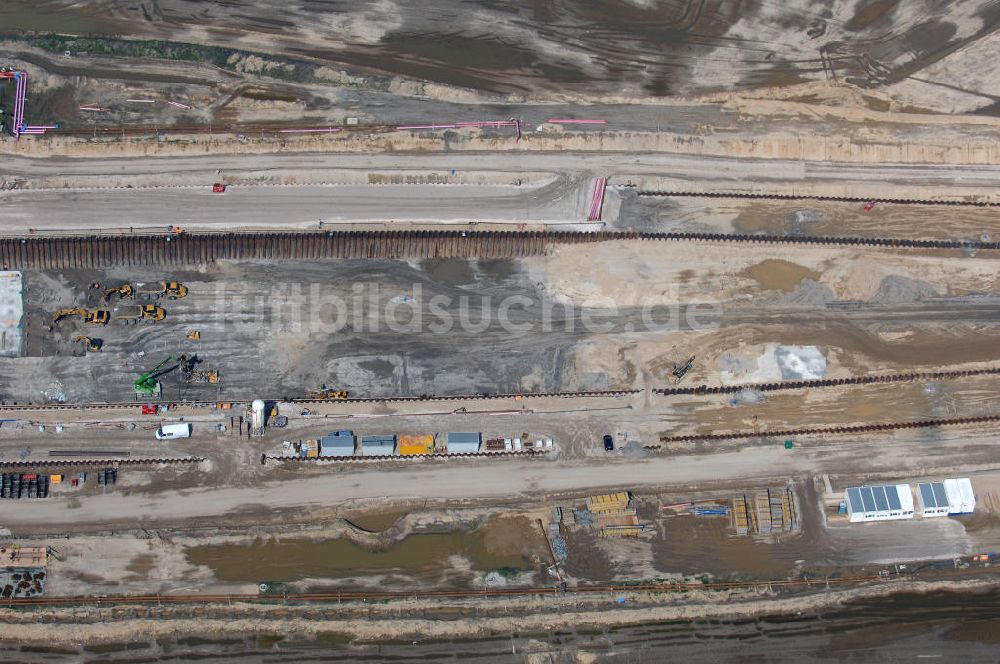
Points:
[(688, 103), (378, 328)]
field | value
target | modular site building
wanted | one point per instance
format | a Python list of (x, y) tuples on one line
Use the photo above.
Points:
[(968, 495), (954, 495), (337, 443), (933, 499), (879, 503), (462, 442), (378, 445)]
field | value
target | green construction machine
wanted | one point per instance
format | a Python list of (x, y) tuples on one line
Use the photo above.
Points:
[(146, 384)]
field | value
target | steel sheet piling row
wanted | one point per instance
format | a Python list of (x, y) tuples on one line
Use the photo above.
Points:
[(186, 249), (861, 428)]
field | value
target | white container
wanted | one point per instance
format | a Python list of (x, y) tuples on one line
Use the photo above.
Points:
[(905, 500), (548, 443), (968, 495), (517, 444), (954, 496), (171, 431), (508, 444)]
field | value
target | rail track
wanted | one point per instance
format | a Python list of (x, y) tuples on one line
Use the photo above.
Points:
[(833, 431), (493, 593), (816, 197), (190, 249), (695, 390)]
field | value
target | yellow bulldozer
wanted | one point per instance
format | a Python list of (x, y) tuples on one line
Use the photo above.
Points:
[(88, 316), (148, 312), (175, 290), (124, 291)]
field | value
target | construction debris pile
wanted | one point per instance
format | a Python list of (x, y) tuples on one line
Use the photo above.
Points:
[(612, 514)]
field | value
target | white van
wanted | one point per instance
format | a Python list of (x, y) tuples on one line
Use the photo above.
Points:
[(170, 431)]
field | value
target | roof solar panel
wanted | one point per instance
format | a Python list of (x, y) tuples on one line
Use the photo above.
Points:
[(869, 500), (854, 500), (880, 502), (926, 495), (940, 495), (893, 496)]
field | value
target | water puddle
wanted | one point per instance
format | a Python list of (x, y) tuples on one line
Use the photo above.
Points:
[(293, 560), (776, 274)]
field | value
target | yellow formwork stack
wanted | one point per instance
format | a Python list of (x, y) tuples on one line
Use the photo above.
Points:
[(609, 502)]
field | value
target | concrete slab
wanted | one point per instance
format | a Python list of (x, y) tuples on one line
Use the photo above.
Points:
[(11, 313)]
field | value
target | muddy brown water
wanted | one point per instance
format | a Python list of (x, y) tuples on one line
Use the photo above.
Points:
[(293, 560), (376, 522), (777, 274), (939, 626)]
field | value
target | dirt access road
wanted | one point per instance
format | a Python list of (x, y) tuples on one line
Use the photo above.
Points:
[(558, 201), (900, 455), (647, 170)]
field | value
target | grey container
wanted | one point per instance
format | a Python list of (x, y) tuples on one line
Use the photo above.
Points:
[(463, 442), (378, 445), (337, 443)]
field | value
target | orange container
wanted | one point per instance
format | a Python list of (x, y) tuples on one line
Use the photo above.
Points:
[(413, 444)]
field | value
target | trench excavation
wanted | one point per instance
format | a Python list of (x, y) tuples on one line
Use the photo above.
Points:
[(697, 390), (815, 197), (191, 249), (832, 431)]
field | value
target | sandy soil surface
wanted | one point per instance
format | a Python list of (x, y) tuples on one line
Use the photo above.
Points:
[(803, 217), (639, 49)]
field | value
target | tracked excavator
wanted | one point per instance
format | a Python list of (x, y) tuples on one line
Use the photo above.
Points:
[(88, 316), (681, 370), (147, 385)]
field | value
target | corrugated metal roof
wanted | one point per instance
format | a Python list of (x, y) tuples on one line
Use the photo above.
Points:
[(339, 439), (378, 440), (905, 497), (462, 437)]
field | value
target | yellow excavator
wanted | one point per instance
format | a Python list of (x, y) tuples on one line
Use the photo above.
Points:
[(93, 345), (175, 290), (134, 314), (323, 393), (124, 291), (88, 316)]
